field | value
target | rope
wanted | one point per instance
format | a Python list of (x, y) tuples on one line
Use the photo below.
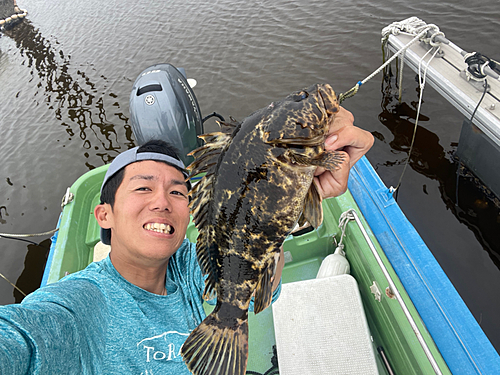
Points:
[(344, 218), (15, 236), (15, 286), (413, 26), (479, 66), (67, 198), (421, 82), (400, 76), (427, 33), (353, 91), (17, 16)]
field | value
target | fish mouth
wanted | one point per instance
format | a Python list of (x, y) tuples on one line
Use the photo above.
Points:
[(159, 228), (330, 117), (329, 106)]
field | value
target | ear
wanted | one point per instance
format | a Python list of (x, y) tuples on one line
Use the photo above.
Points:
[(104, 215)]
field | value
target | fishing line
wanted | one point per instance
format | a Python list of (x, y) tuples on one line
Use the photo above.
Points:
[(413, 26), (19, 239), (14, 285), (421, 81)]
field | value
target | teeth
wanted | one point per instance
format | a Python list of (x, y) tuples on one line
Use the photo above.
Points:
[(158, 227)]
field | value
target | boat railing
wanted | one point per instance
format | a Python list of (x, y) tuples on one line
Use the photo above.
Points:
[(352, 215)]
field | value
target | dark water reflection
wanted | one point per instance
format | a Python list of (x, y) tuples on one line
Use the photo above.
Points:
[(75, 100), (66, 74), (464, 195)]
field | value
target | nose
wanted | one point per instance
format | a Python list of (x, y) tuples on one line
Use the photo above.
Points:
[(161, 201)]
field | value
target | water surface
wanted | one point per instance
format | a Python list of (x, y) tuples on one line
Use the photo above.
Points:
[(67, 71)]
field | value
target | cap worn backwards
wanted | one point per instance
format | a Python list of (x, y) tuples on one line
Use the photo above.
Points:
[(129, 157)]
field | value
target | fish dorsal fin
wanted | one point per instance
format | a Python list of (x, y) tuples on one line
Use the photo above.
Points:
[(313, 210), (206, 161)]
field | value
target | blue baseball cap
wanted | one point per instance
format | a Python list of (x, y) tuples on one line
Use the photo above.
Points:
[(129, 157)]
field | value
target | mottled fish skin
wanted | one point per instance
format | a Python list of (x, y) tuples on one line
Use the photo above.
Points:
[(258, 184)]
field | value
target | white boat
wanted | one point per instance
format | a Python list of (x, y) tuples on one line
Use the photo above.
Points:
[(469, 81)]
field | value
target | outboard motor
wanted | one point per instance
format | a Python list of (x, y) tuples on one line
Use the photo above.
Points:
[(163, 106)]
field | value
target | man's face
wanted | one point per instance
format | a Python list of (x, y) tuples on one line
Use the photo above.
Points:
[(150, 215)]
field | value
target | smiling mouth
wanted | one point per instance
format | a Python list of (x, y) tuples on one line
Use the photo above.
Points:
[(160, 228)]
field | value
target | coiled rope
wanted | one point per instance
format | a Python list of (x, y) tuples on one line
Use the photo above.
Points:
[(428, 33), (480, 66)]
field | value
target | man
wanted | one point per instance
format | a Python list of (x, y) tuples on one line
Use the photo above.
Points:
[(131, 312)]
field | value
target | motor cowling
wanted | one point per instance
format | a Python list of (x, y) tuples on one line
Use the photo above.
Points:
[(163, 106)]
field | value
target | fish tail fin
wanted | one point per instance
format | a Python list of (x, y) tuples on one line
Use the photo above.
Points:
[(216, 348)]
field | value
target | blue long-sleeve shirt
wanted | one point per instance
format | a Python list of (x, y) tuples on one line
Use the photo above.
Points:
[(96, 322)]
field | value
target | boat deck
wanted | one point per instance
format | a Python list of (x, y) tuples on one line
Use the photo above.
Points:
[(445, 74)]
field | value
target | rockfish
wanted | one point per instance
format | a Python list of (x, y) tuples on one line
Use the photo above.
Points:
[(258, 185)]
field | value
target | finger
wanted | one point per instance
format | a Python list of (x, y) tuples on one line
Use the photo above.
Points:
[(342, 118), (353, 140)]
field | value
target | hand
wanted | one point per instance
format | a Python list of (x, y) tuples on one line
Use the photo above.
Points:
[(353, 142)]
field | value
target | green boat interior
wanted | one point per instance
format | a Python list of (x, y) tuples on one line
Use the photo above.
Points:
[(362, 319)]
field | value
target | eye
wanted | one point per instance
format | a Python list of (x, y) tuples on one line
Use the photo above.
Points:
[(143, 188), (301, 96), (177, 192)]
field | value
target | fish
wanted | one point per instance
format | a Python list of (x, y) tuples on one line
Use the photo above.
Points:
[(258, 185)]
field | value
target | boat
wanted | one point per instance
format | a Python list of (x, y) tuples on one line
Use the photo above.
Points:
[(469, 81), (361, 294)]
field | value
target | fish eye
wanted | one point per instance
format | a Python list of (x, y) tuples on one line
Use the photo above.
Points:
[(301, 96)]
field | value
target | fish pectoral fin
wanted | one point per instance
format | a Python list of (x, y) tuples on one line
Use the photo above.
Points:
[(264, 290), (329, 160), (313, 210)]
